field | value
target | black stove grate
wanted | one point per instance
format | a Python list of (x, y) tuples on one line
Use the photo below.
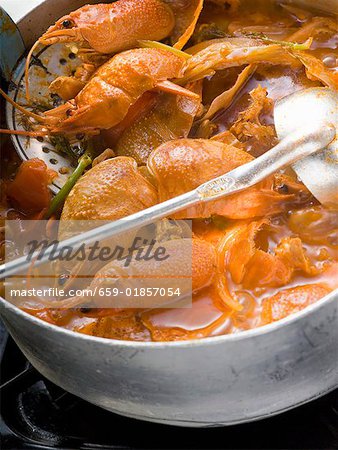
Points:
[(36, 414)]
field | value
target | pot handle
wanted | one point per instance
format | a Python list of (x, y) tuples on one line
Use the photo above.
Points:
[(11, 45)]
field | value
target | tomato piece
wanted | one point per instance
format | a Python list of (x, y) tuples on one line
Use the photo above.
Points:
[(29, 190)]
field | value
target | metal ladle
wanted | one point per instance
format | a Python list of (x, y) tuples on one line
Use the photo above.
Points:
[(306, 110), (306, 121)]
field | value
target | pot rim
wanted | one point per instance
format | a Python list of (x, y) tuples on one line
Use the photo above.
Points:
[(234, 337)]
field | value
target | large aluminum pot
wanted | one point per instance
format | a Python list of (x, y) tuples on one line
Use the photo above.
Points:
[(216, 381), (210, 382)]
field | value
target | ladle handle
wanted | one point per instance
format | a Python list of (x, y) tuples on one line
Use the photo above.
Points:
[(291, 149), (108, 230), (294, 147)]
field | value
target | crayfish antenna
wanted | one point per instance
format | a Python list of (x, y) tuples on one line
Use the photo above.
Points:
[(72, 123), (24, 111), (25, 133), (27, 65), (72, 133), (172, 88), (60, 112)]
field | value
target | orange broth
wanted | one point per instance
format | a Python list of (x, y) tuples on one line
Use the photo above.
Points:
[(305, 218)]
